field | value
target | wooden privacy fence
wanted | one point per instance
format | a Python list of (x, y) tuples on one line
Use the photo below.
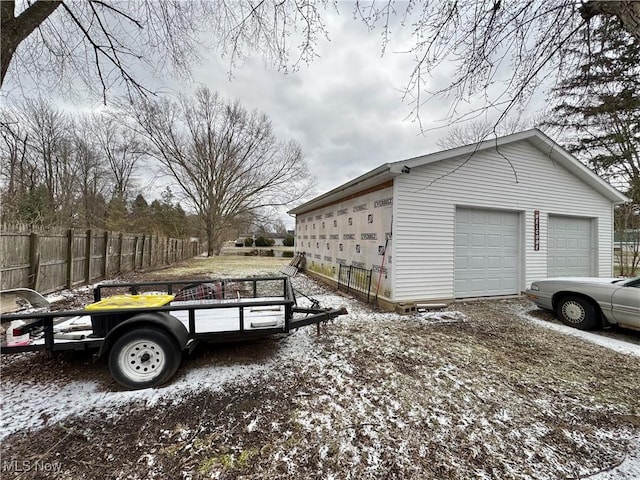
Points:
[(48, 262)]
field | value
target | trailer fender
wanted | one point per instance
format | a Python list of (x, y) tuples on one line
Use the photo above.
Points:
[(8, 299), (163, 320)]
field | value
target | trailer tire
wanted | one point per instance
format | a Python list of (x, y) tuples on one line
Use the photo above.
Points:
[(144, 357)]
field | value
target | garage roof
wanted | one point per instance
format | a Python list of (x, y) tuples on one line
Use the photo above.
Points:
[(534, 136)]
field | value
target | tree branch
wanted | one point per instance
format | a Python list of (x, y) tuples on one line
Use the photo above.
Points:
[(13, 30)]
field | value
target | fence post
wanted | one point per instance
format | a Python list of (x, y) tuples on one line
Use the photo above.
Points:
[(107, 238), (120, 252), (87, 265), (34, 261), (135, 253), (144, 239), (150, 250), (70, 236)]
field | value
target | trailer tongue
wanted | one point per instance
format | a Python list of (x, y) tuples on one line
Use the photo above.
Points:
[(145, 330)]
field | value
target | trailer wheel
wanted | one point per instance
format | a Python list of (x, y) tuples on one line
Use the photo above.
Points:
[(144, 357)]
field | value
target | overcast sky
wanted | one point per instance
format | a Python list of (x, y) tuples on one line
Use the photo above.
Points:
[(345, 108)]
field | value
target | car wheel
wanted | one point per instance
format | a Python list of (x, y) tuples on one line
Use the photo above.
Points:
[(577, 312), (144, 357)]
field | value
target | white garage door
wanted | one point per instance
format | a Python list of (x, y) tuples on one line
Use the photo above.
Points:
[(570, 252), (487, 253)]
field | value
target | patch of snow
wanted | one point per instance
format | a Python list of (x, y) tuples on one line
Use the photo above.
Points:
[(23, 411), (629, 467), (443, 317), (616, 345)]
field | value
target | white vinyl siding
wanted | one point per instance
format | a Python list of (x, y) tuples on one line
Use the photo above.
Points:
[(487, 253), (570, 251), (518, 178)]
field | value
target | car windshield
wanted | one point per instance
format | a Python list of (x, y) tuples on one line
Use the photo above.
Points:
[(628, 281)]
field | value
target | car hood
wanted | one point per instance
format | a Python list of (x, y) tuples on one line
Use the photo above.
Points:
[(584, 279)]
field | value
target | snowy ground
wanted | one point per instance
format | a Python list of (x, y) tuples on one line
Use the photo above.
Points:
[(492, 389)]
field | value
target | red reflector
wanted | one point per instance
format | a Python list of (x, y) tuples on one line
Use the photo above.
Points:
[(17, 332)]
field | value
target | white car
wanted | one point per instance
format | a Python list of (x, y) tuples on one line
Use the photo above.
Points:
[(590, 303)]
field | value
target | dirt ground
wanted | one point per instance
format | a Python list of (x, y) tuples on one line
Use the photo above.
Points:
[(479, 391)]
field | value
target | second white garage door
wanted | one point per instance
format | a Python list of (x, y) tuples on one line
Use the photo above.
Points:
[(487, 253), (570, 247)]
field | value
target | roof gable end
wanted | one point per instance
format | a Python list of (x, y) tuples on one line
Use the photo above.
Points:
[(533, 136)]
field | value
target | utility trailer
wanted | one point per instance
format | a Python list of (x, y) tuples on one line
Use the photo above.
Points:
[(145, 331)]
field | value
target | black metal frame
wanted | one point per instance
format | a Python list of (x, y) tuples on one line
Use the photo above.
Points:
[(286, 299), (355, 280)]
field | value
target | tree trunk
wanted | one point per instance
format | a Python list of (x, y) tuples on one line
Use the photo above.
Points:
[(209, 242), (15, 29), (628, 12)]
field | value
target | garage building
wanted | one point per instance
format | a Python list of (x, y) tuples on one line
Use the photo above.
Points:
[(476, 221)]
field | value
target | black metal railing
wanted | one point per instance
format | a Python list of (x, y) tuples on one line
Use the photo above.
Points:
[(355, 280)]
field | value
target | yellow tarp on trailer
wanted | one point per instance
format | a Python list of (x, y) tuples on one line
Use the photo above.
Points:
[(117, 302)]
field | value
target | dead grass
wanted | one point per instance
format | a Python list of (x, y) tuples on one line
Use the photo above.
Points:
[(221, 267)]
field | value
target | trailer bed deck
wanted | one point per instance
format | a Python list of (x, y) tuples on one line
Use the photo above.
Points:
[(256, 318)]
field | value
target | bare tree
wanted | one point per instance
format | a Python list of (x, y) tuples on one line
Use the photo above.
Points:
[(51, 151), (43, 176), (14, 154), (480, 130), (122, 150), (94, 180), (502, 50), (100, 42), (15, 169), (53, 173), (226, 160)]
